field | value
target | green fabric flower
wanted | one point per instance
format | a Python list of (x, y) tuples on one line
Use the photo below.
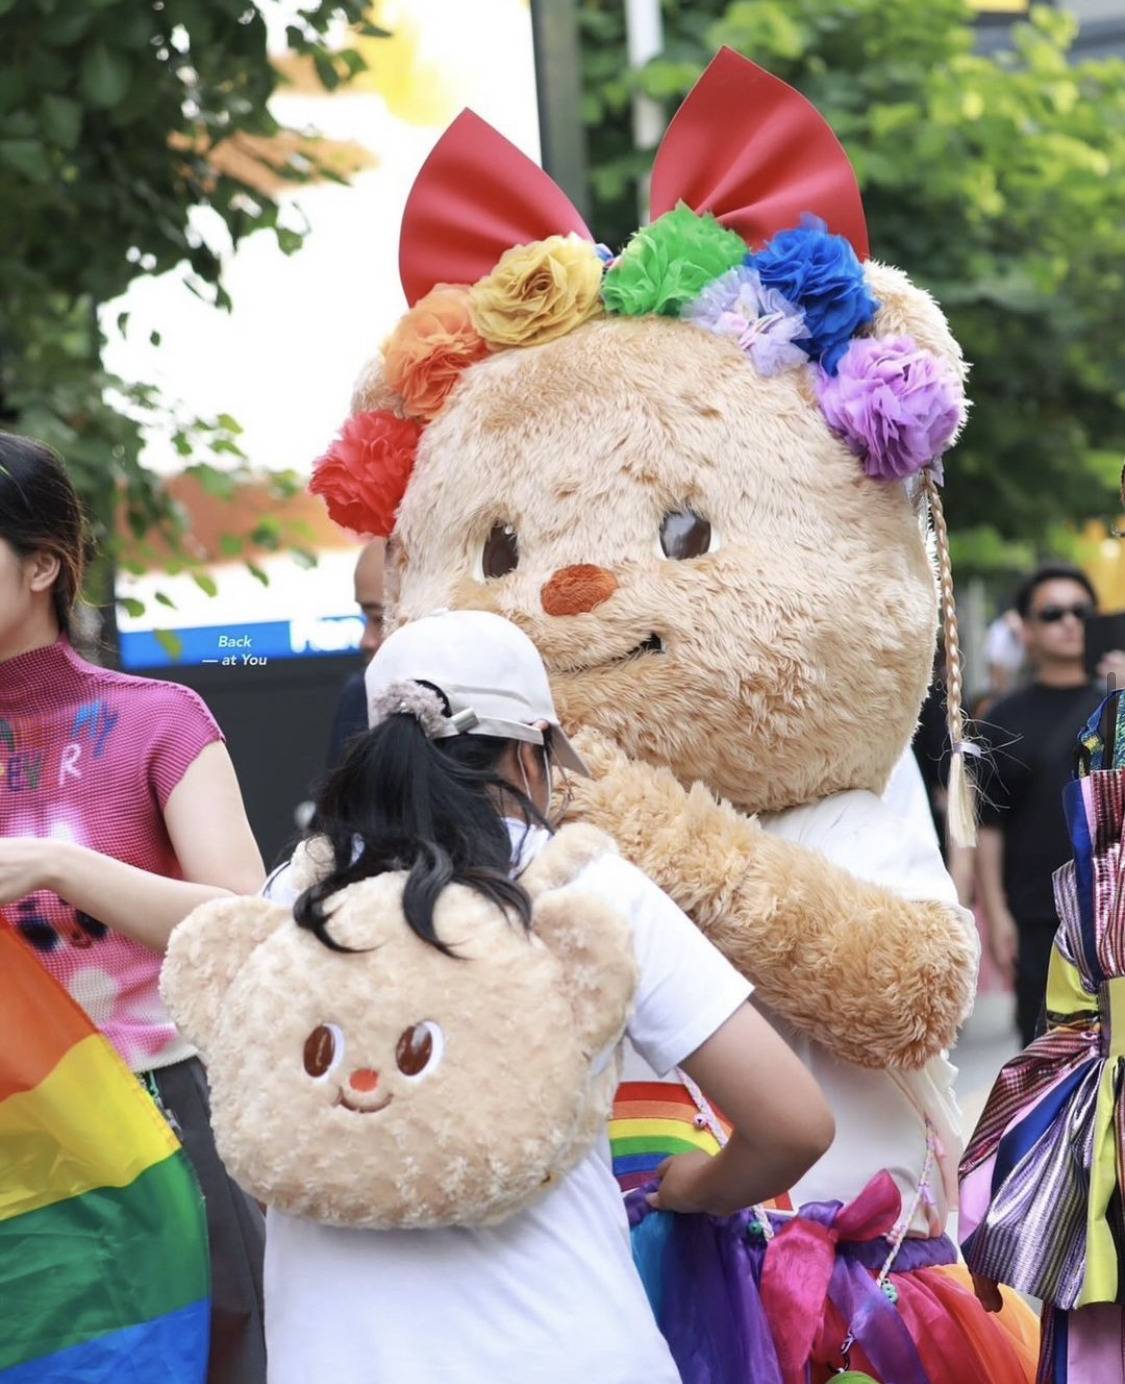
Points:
[(666, 264)]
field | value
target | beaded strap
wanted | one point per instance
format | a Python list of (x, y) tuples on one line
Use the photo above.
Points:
[(707, 1119), (882, 1281)]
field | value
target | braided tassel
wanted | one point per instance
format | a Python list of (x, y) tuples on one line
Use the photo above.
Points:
[(962, 806)]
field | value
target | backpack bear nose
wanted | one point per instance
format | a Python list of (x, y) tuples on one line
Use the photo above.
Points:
[(577, 590), (363, 1079)]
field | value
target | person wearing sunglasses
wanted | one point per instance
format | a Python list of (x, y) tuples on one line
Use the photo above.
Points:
[(1028, 757)]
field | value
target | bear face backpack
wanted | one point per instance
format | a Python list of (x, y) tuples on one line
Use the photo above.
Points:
[(394, 1084), (702, 473)]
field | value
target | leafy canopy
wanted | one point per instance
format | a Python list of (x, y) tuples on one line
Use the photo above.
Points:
[(118, 118)]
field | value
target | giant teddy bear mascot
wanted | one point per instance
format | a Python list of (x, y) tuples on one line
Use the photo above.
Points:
[(700, 474)]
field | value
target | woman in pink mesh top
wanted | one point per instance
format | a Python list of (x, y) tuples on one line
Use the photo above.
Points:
[(119, 813)]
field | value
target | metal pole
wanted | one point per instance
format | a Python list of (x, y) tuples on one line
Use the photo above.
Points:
[(644, 37), (558, 69)]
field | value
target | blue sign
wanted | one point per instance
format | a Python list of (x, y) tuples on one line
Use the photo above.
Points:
[(243, 646)]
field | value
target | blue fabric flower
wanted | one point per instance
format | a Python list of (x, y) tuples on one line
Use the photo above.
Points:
[(820, 274)]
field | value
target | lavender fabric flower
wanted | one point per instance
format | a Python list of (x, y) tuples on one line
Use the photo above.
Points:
[(819, 272), (763, 322), (896, 406)]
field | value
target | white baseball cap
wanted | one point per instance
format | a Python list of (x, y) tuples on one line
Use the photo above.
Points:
[(488, 671)]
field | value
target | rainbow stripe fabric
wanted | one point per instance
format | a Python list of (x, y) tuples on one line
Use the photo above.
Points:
[(652, 1120), (104, 1272)]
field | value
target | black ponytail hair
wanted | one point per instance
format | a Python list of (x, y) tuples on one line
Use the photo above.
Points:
[(400, 801), (40, 510)]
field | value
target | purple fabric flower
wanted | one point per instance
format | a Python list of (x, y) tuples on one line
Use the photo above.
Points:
[(896, 406), (763, 322)]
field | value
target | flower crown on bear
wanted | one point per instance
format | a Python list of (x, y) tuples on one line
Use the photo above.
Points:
[(494, 257)]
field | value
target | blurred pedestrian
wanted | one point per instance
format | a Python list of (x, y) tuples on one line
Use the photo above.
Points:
[(1005, 652), (351, 708), (1028, 740), (120, 813)]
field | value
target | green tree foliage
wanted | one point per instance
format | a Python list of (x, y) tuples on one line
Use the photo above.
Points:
[(111, 113), (995, 182)]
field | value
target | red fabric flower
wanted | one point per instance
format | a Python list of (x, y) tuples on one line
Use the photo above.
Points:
[(363, 475)]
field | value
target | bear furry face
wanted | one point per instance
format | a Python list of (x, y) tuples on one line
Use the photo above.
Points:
[(395, 1086), (786, 663)]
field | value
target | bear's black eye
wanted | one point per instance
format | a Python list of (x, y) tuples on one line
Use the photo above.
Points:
[(685, 534), (501, 551), (324, 1049), (419, 1049)]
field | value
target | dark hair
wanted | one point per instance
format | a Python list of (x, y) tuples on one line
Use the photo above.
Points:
[(1051, 571), (40, 512), (430, 807)]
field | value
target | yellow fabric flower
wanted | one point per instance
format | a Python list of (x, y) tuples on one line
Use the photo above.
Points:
[(538, 292)]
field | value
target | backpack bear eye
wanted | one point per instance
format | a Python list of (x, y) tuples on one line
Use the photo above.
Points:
[(501, 552), (324, 1051), (419, 1049), (684, 534)]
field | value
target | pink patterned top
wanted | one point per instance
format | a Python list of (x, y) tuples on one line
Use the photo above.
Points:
[(92, 756)]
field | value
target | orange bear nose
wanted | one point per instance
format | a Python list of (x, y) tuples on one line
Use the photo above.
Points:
[(364, 1079), (576, 590)]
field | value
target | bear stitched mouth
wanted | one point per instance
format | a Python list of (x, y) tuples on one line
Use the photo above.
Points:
[(652, 645), (341, 1099)]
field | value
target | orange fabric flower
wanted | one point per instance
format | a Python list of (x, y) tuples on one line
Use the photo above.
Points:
[(430, 347), (363, 475)]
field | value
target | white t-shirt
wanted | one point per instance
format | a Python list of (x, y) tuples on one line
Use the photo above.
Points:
[(880, 1115), (550, 1296), (905, 794)]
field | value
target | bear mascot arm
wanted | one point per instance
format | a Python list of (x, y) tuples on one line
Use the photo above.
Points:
[(878, 979)]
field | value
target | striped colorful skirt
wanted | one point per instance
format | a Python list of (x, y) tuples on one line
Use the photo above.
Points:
[(1086, 1346)]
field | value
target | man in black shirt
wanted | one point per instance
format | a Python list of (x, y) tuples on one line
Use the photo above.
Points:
[(1029, 741)]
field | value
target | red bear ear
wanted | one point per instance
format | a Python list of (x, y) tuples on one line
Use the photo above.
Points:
[(475, 197), (751, 150)]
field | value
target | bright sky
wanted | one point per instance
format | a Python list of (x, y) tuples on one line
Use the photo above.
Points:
[(283, 360)]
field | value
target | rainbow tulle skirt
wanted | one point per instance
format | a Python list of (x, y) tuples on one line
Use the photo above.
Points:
[(736, 1307)]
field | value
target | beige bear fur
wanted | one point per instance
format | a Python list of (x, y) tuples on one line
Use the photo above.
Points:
[(528, 1023), (795, 654)]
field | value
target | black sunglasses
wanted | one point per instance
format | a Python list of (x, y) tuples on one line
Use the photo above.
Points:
[(1052, 614)]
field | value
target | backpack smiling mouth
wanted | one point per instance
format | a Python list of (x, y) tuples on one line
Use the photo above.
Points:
[(341, 1099)]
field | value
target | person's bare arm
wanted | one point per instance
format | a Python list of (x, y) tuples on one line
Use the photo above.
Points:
[(207, 825), (781, 1122), (1002, 940)]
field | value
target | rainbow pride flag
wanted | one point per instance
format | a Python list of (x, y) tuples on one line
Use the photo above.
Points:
[(104, 1272)]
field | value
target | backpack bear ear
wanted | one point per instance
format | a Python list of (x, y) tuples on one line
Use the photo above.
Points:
[(906, 310), (595, 948), (205, 953), (570, 850)]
